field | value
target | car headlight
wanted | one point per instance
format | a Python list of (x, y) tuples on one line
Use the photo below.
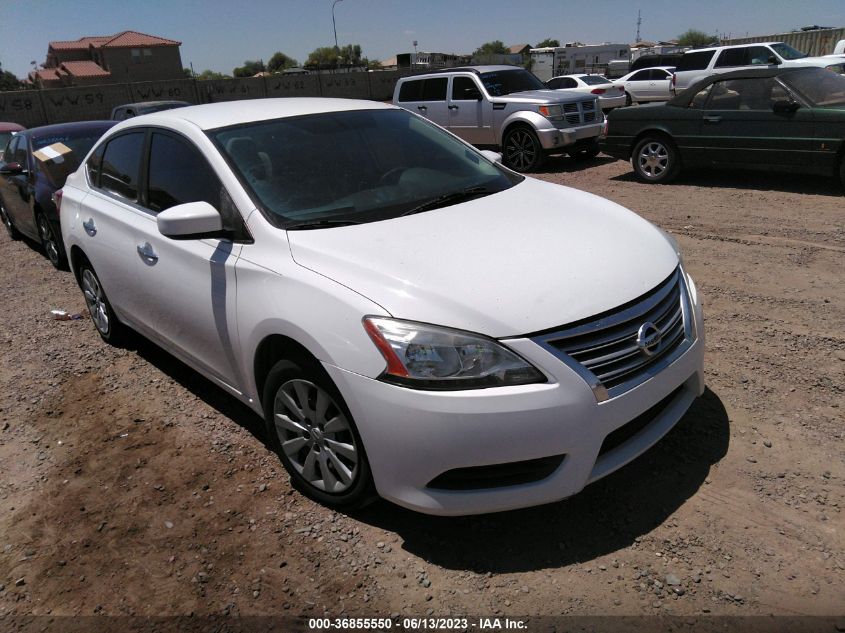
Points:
[(423, 356), (552, 112)]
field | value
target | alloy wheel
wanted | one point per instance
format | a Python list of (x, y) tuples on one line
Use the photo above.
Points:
[(95, 299), (48, 240), (653, 159), (521, 150), (316, 436)]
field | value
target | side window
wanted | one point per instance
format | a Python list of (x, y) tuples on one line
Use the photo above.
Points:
[(9, 154), (121, 162), (553, 84), (568, 82), (700, 98), (178, 174), (754, 94), (434, 89), (696, 60), (723, 96), (732, 57), (93, 165), (657, 75), (19, 155), (460, 85), (640, 76), (759, 55), (411, 90)]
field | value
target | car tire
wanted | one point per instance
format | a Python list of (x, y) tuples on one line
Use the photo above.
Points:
[(321, 450), (53, 248), (628, 100), (655, 159), (521, 149), (586, 153), (105, 321), (7, 222)]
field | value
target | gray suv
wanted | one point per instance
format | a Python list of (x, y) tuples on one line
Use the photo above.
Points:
[(505, 108)]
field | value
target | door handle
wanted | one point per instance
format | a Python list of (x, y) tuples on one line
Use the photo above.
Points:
[(712, 119), (422, 107), (90, 227), (147, 253), (453, 107)]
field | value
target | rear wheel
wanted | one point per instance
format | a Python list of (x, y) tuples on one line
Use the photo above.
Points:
[(50, 243), (628, 99), (522, 150), (313, 433), (108, 326), (7, 222), (655, 159)]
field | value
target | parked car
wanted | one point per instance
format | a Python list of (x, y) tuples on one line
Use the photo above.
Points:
[(7, 130), (507, 108), (648, 84), (781, 119), (352, 272), (700, 63), (655, 61), (36, 163), (129, 110), (610, 95)]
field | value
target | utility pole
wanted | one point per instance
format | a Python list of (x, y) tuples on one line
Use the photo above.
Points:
[(334, 26), (639, 22)]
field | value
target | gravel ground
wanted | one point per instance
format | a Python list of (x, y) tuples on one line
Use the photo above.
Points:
[(131, 485)]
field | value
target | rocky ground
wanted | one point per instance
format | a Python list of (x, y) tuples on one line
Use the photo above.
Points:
[(131, 485)]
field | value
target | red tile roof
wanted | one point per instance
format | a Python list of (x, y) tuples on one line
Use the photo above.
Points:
[(124, 39), (84, 69), (46, 74)]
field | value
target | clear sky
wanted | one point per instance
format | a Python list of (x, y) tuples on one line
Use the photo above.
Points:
[(221, 34)]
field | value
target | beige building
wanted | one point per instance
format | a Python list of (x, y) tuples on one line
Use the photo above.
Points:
[(119, 58)]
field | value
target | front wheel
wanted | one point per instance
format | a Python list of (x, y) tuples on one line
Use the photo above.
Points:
[(7, 222), (522, 150), (50, 243), (628, 99), (313, 433), (655, 159)]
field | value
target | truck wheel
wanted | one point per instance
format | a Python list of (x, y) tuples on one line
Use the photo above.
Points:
[(522, 149), (655, 159)]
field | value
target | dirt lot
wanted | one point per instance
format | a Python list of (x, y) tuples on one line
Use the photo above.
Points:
[(130, 485)]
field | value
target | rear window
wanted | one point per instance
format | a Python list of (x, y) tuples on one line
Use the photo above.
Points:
[(433, 89), (121, 163), (594, 80), (696, 60)]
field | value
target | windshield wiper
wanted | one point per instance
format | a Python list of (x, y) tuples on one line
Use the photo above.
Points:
[(449, 198), (319, 224)]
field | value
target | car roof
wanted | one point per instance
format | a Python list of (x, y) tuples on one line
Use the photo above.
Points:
[(64, 128), (717, 48), (216, 115), (8, 126), (686, 96), (147, 104), (469, 69)]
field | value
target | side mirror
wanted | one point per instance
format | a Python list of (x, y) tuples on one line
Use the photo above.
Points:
[(471, 94), (492, 156), (784, 106), (773, 60), (11, 169), (190, 220)]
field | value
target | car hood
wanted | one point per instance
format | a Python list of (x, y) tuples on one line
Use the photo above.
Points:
[(530, 258), (541, 96)]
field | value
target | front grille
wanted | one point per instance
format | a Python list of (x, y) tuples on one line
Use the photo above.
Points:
[(579, 112), (605, 349), (497, 475)]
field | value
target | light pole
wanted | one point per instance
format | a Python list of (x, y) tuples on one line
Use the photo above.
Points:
[(334, 26)]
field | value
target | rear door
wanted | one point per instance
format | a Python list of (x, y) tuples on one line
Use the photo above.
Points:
[(638, 85), (426, 97), (470, 115), (739, 125), (18, 189)]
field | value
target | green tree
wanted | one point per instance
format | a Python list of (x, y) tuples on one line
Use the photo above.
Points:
[(249, 69), (334, 57), (696, 38), (212, 74), (188, 73), (8, 81), (280, 61), (548, 42), (496, 47)]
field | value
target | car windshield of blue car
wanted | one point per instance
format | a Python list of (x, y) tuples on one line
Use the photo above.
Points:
[(329, 169), (504, 82), (59, 154), (819, 86), (787, 52)]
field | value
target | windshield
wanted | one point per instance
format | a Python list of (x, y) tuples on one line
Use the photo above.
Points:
[(4, 140), (505, 82), (594, 80), (64, 151), (787, 52), (819, 86), (354, 167)]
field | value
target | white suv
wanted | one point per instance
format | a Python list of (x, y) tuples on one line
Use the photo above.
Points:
[(409, 317), (700, 63)]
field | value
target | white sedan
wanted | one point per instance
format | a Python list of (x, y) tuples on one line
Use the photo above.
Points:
[(410, 318), (610, 96), (647, 84)]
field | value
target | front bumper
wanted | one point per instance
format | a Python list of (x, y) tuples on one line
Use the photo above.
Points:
[(412, 436), (559, 138)]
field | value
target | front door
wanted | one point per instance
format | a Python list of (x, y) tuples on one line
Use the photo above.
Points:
[(18, 188), (470, 116)]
